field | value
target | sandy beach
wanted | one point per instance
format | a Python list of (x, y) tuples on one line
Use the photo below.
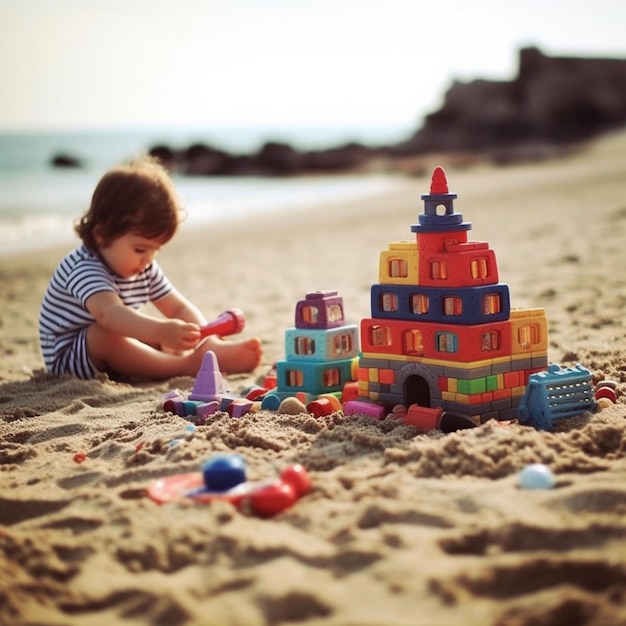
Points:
[(400, 528)]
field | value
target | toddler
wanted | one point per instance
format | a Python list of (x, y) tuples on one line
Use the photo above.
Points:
[(90, 319)]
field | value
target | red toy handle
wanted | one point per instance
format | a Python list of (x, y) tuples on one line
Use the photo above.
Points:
[(229, 322)]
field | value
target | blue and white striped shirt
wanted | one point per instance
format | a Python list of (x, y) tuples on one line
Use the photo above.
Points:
[(63, 314)]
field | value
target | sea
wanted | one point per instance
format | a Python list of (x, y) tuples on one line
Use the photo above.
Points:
[(39, 202)]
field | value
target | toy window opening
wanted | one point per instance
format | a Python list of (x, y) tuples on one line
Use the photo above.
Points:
[(442, 209), (295, 378), (389, 302), (446, 342), (452, 306), (380, 335), (492, 304), (479, 268), (332, 377), (528, 335), (342, 344), (304, 345), (310, 314), (335, 313), (398, 268), (419, 304), (490, 341), (438, 270), (413, 342)]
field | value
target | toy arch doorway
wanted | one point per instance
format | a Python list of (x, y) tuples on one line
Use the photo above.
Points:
[(418, 384), (416, 391)]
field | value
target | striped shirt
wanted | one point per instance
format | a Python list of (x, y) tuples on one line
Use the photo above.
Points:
[(64, 317)]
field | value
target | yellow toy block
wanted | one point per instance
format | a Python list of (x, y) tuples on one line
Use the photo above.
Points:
[(529, 331), (398, 265)]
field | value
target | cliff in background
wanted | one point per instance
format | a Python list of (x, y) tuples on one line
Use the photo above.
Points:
[(553, 100)]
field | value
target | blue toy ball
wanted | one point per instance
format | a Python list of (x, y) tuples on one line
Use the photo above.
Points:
[(223, 472), (536, 476)]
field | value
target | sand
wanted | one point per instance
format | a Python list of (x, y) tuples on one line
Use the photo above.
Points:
[(401, 528)]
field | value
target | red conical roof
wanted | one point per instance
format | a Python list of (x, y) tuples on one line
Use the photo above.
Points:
[(439, 182)]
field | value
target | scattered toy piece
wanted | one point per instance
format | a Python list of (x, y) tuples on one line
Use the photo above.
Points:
[(223, 478), (536, 476), (229, 322), (209, 384), (292, 406), (223, 472), (556, 393), (80, 457), (362, 407), (606, 391), (321, 407), (451, 421), (422, 417)]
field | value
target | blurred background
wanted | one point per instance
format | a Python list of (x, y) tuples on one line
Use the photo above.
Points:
[(89, 83)]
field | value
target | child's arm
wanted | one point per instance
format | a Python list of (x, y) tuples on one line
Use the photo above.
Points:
[(175, 306), (112, 314)]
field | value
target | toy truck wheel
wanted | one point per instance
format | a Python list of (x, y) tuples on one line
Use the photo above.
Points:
[(523, 413), (541, 419)]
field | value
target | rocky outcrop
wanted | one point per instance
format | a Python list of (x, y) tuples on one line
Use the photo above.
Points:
[(66, 160), (273, 158), (553, 100)]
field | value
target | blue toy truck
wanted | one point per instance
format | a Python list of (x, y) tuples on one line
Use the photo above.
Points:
[(554, 394)]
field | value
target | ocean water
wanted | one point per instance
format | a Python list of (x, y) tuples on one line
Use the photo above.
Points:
[(38, 203)]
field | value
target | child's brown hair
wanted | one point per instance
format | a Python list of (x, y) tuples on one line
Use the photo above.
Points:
[(138, 198)]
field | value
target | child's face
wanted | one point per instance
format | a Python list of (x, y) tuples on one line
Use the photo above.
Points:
[(129, 254)]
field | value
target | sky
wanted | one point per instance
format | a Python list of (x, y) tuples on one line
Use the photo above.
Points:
[(99, 64)]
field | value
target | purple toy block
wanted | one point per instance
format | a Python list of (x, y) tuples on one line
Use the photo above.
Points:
[(239, 407), (179, 408), (207, 408), (209, 384), (320, 309), (227, 400)]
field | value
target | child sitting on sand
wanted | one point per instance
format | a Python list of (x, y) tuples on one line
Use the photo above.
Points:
[(90, 320)]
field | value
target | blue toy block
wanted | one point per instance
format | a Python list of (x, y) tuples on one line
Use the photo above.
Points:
[(456, 305), (556, 394), (322, 345), (191, 407), (313, 377)]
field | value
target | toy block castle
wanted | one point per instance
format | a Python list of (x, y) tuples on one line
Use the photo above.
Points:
[(321, 351), (442, 332)]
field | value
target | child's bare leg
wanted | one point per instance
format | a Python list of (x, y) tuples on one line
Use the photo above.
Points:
[(130, 357), (235, 357)]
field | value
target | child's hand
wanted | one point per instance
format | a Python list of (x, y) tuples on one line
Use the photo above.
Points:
[(179, 336)]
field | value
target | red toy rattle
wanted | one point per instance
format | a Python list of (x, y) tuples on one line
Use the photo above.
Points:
[(229, 322)]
